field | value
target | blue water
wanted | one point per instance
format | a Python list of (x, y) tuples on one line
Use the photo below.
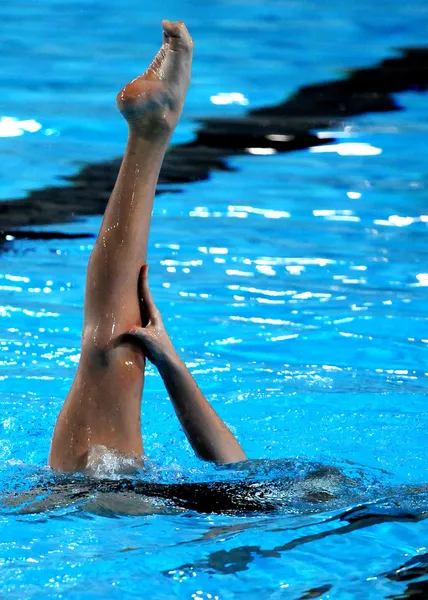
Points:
[(295, 287)]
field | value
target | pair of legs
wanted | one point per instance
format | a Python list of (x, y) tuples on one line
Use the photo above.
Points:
[(104, 403)]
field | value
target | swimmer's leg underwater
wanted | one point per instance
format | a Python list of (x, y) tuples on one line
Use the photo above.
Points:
[(103, 405)]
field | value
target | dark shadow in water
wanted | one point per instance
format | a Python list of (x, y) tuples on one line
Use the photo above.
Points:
[(293, 489), (21, 234), (252, 487), (415, 568), (402, 504), (360, 517), (414, 591), (316, 592), (412, 569), (285, 127)]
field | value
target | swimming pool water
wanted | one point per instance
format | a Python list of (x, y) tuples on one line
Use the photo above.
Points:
[(295, 287)]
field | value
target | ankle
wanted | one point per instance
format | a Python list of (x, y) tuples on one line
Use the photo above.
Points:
[(154, 131), (147, 142)]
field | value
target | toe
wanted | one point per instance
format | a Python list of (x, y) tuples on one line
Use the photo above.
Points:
[(177, 35)]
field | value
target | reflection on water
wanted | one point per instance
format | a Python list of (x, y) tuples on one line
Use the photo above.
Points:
[(295, 285)]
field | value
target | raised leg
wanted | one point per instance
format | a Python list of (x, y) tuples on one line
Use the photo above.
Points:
[(103, 405)]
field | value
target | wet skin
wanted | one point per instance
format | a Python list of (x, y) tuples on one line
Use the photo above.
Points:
[(104, 402)]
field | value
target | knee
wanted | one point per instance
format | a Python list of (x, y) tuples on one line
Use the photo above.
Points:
[(95, 346)]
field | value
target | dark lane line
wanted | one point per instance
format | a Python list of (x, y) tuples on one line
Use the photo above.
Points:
[(285, 127)]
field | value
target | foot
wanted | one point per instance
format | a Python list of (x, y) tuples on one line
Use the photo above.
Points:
[(152, 103)]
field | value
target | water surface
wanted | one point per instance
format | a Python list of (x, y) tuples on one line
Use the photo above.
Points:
[(295, 288)]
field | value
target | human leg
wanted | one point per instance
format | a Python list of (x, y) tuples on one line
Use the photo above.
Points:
[(103, 405)]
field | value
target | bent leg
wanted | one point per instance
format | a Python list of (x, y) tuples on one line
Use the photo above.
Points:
[(103, 405)]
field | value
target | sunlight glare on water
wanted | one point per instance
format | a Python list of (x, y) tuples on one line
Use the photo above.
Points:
[(294, 286)]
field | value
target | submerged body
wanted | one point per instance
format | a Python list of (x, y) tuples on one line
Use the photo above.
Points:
[(113, 486), (246, 487)]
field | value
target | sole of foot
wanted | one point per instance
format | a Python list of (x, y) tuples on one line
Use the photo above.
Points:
[(152, 103)]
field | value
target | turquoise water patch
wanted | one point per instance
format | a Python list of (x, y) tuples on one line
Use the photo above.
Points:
[(295, 287)]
